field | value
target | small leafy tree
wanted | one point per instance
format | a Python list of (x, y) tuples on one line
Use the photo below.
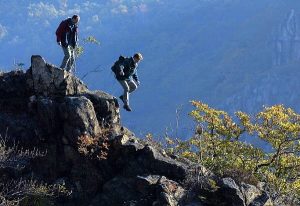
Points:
[(217, 145), (280, 128), (18, 65), (80, 50), (87, 40)]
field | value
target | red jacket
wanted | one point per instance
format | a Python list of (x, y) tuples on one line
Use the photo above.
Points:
[(67, 33)]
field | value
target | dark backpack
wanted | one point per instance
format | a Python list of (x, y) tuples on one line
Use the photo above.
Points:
[(116, 67)]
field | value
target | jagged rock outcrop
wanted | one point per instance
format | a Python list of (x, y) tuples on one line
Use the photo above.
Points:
[(253, 196), (141, 190), (50, 109), (47, 80)]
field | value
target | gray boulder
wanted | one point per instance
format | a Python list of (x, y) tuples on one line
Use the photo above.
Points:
[(78, 118), (254, 196), (231, 192), (139, 191), (135, 158), (49, 80), (106, 107)]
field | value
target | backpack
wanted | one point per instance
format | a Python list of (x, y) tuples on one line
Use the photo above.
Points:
[(116, 67)]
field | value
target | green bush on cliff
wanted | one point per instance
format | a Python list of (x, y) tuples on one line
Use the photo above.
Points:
[(217, 145)]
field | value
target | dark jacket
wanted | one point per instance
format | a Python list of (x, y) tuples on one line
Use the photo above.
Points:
[(67, 33), (130, 70)]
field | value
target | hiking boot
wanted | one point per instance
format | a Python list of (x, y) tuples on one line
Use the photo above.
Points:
[(127, 108), (121, 97)]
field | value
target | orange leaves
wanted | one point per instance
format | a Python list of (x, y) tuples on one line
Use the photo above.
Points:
[(94, 146)]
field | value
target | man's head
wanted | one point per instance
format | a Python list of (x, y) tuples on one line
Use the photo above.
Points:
[(137, 57), (75, 19)]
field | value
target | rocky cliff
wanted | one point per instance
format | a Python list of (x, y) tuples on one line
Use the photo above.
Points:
[(88, 151)]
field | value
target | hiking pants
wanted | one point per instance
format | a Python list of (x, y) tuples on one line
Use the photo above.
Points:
[(69, 58), (128, 86)]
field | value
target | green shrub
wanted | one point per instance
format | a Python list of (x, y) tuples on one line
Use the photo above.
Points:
[(217, 146)]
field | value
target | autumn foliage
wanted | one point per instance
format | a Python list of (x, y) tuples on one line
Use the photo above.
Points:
[(219, 145), (95, 147)]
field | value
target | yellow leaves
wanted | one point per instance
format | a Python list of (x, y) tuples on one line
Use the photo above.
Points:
[(189, 155), (91, 39), (79, 50), (296, 185), (216, 122), (218, 148), (195, 142), (149, 137), (279, 117), (283, 185), (245, 121), (213, 184), (169, 141)]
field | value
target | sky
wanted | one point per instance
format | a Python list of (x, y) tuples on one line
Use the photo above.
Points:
[(220, 52)]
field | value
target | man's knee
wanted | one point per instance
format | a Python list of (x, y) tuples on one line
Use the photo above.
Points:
[(133, 86), (133, 89)]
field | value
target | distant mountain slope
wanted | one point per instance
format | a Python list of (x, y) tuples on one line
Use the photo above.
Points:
[(220, 51)]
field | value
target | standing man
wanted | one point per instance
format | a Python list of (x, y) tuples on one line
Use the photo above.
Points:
[(125, 70), (66, 37)]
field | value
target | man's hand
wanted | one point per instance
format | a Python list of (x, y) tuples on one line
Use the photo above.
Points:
[(62, 44)]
